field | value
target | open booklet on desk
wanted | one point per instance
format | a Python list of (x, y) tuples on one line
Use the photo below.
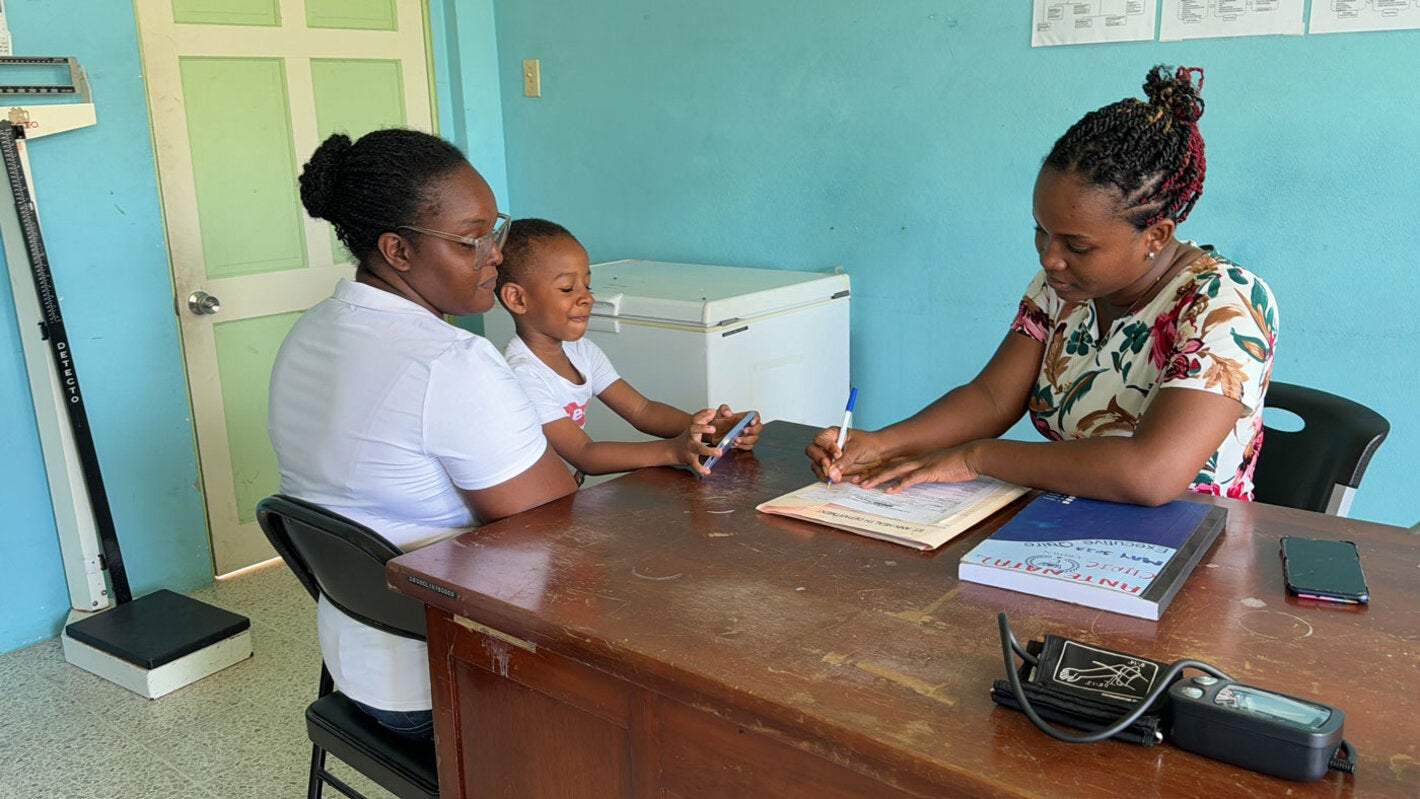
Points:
[(924, 516)]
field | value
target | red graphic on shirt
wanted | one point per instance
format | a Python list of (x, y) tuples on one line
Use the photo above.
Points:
[(577, 413)]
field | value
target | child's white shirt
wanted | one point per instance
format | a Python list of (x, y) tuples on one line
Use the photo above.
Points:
[(554, 396)]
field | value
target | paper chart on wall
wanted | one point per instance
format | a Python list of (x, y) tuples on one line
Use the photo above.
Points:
[(1203, 19), (1057, 22), (1346, 16)]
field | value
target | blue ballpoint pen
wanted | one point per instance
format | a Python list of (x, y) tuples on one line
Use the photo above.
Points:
[(847, 420)]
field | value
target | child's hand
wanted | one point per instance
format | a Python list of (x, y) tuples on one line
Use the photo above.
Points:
[(690, 445), (726, 419)]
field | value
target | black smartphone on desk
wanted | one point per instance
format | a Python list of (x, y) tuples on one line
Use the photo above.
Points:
[(1325, 570)]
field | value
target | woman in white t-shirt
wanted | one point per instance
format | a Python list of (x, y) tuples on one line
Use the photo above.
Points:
[(382, 411)]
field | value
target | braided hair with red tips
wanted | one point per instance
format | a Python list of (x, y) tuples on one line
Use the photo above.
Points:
[(1152, 152)]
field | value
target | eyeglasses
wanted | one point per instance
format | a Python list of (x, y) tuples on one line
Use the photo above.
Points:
[(482, 246)]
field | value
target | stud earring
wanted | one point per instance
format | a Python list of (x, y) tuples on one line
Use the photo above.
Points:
[(1150, 256)]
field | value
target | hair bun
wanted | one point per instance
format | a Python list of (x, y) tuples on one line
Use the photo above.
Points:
[(1175, 92), (321, 174)]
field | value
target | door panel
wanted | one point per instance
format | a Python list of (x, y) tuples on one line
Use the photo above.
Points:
[(227, 12), (375, 15), (245, 351), (241, 92), (356, 96), (239, 132)]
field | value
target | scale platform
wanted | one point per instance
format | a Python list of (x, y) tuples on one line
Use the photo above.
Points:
[(156, 644)]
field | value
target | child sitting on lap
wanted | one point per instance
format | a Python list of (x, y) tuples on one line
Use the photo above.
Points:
[(545, 283)]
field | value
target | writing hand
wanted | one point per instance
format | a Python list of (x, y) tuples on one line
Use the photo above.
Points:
[(939, 466), (861, 452)]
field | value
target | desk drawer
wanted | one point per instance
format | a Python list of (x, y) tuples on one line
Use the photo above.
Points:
[(706, 757), (530, 723), (564, 680), (527, 722)]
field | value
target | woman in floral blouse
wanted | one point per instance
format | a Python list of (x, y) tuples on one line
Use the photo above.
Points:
[(1142, 358)]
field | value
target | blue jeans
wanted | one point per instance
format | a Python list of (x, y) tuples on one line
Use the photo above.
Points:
[(417, 725)]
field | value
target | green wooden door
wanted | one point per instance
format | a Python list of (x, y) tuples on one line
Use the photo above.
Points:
[(241, 92)]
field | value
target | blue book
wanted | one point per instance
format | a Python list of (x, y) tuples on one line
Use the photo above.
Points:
[(1127, 559)]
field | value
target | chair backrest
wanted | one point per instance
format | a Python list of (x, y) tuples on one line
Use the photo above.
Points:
[(1319, 467), (344, 561)]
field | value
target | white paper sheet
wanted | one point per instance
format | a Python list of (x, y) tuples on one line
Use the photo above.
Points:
[(1059, 22), (925, 503), (1344, 16), (1201, 19)]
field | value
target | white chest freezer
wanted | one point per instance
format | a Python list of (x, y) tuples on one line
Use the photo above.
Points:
[(696, 336)]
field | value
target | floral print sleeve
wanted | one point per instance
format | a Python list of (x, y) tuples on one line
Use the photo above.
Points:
[(1218, 335), (1212, 328), (1031, 317)]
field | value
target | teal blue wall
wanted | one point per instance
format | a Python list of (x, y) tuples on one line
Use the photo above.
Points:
[(467, 89), (901, 140), (98, 200), (466, 74)]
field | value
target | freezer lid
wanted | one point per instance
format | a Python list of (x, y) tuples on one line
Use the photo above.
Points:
[(699, 295)]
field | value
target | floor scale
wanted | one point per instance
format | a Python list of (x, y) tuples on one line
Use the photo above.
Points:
[(156, 643)]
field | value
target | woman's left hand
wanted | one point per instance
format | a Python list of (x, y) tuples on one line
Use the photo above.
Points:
[(938, 466)]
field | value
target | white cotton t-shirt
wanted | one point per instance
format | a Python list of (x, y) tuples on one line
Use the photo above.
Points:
[(380, 411), (554, 396)]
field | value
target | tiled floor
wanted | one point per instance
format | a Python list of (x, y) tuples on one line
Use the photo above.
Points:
[(238, 733)]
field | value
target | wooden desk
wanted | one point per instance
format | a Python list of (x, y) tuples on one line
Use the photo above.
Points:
[(655, 636)]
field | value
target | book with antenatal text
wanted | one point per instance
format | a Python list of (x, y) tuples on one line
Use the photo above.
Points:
[(1127, 559)]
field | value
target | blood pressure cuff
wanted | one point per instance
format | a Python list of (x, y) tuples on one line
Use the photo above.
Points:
[(1087, 688)]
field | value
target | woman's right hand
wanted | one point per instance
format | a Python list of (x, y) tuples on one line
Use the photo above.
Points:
[(863, 450)]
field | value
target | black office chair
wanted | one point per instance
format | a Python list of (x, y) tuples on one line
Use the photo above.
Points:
[(345, 562), (1319, 467)]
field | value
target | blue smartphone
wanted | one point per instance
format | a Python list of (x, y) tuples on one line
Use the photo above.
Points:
[(728, 439)]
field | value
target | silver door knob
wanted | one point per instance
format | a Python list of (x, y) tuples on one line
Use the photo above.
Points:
[(203, 304)]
